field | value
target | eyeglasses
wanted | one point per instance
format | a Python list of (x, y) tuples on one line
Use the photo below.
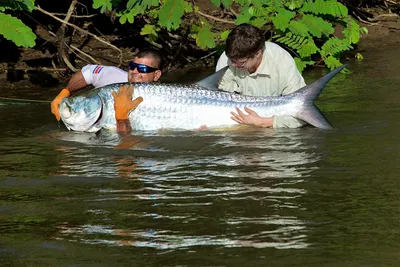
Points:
[(141, 67), (240, 64)]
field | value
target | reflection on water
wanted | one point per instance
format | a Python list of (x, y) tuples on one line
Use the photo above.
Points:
[(175, 179)]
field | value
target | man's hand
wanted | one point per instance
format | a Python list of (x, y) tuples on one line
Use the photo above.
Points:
[(55, 104), (123, 103), (252, 118)]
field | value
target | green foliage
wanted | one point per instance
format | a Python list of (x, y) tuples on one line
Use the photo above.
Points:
[(171, 13), (14, 29), (150, 31), (327, 7), (224, 35), (301, 65), (282, 18), (305, 27), (103, 5), (298, 28), (27, 5), (334, 46), (352, 32), (205, 38), (317, 26)]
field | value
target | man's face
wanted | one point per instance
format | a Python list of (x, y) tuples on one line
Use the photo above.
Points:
[(250, 63), (135, 75)]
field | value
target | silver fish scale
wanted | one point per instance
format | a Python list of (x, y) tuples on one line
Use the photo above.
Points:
[(191, 106)]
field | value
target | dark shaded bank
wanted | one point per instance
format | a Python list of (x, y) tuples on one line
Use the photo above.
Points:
[(41, 66)]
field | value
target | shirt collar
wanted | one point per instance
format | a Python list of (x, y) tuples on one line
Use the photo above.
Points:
[(263, 68)]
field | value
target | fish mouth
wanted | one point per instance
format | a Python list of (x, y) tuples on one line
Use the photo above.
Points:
[(82, 115)]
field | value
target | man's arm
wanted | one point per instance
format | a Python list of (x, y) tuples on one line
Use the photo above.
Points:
[(76, 82), (123, 105)]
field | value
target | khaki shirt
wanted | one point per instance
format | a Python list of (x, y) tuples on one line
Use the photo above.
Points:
[(277, 75)]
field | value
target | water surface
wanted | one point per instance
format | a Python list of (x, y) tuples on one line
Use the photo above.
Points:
[(256, 197)]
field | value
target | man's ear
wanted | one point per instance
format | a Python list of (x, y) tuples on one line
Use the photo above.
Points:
[(157, 75)]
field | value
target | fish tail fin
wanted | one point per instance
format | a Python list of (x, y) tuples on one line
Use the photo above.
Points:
[(310, 113)]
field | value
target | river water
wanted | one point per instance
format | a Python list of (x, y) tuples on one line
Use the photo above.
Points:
[(257, 197)]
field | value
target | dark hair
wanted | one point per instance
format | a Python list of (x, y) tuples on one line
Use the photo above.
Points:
[(244, 41), (153, 54)]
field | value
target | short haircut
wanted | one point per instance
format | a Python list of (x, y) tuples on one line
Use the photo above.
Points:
[(153, 54), (244, 41)]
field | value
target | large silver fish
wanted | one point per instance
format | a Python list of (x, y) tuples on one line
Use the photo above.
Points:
[(187, 107)]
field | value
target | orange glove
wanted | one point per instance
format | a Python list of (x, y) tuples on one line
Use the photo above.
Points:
[(123, 103), (55, 105)]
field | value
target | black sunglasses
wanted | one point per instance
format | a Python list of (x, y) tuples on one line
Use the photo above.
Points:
[(141, 67)]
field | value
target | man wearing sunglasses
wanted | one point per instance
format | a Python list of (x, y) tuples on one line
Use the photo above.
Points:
[(258, 68), (145, 67)]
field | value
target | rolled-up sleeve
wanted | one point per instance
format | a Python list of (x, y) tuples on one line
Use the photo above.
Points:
[(287, 122)]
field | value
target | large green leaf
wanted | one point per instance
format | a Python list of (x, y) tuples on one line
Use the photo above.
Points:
[(171, 13), (317, 26), (244, 17), (216, 3), (27, 5), (302, 64), (334, 46), (282, 18), (205, 38), (294, 4), (298, 28), (224, 35), (149, 29), (103, 4), (352, 31), (142, 5), (16, 31), (227, 3), (332, 62), (329, 7), (308, 48)]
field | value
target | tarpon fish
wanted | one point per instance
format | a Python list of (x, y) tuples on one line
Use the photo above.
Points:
[(187, 107)]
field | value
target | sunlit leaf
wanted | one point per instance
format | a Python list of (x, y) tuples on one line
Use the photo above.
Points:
[(205, 38), (188, 7), (317, 26), (216, 3), (282, 18), (103, 4), (171, 13), (298, 28), (149, 29), (352, 31), (16, 31), (224, 35)]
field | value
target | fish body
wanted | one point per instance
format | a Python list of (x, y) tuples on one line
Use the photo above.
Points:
[(187, 107)]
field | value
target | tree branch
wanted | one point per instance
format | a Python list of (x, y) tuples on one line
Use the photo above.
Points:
[(215, 18), (81, 30)]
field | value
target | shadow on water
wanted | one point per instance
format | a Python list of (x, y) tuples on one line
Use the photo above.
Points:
[(241, 198)]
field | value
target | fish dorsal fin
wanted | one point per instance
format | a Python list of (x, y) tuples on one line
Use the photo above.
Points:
[(211, 82)]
